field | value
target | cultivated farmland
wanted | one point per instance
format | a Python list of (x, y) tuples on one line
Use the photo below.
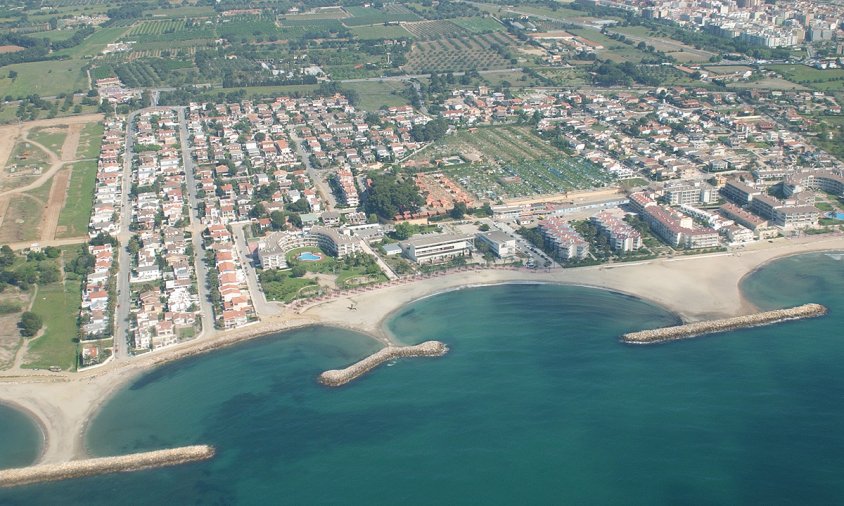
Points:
[(513, 162), (427, 30), (463, 53)]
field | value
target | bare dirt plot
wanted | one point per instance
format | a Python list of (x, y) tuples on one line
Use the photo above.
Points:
[(26, 163), (71, 142), (769, 84), (9, 134), (10, 49), (55, 203), (22, 221), (10, 338), (4, 206)]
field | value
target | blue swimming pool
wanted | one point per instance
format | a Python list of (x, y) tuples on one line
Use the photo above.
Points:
[(836, 215), (307, 256)]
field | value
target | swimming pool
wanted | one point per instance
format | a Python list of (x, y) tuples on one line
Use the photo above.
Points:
[(307, 256), (836, 215)]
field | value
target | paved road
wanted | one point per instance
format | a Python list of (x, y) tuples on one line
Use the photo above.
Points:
[(534, 253), (391, 275), (121, 317), (196, 227), (263, 307), (317, 178)]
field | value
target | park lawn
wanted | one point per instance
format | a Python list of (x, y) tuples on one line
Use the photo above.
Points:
[(58, 305), (286, 290), (90, 141), (374, 94), (43, 78), (49, 137), (74, 217), (352, 272)]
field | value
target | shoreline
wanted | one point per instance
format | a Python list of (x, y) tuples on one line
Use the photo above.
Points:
[(63, 403), (42, 428)]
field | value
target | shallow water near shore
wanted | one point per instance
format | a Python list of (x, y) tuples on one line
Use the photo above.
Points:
[(537, 402), (20, 438)]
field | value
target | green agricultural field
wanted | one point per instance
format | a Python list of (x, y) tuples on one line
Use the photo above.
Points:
[(823, 80), (43, 78), (56, 35), (371, 16), (681, 52), (271, 91), (459, 53), (374, 94), (74, 217), (247, 27), (374, 32), (613, 49), (478, 25), (90, 140), (493, 144), (182, 11), (156, 27), (560, 14), (94, 44), (58, 305), (336, 13), (515, 163), (428, 30), (51, 137), (566, 76)]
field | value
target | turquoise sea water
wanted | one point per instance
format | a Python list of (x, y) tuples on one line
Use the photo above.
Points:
[(537, 403), (20, 438)]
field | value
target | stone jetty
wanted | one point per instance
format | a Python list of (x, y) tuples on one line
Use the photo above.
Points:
[(339, 377), (103, 465), (723, 325)]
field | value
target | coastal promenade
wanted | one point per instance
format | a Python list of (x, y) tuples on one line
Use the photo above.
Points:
[(695, 287)]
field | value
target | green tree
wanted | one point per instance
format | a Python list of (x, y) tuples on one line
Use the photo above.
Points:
[(458, 211), (297, 271), (403, 231), (278, 220), (30, 324)]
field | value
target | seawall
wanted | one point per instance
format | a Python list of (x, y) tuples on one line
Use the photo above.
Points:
[(722, 325), (339, 377), (103, 465)]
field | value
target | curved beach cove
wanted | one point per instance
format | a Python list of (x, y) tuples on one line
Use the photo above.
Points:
[(536, 402), (20, 438)]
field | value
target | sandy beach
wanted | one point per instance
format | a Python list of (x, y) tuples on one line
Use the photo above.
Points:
[(696, 287)]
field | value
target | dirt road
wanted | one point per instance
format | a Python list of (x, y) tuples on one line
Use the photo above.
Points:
[(55, 204), (10, 134)]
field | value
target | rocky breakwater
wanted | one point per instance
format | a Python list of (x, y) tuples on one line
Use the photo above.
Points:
[(723, 325), (103, 465), (339, 377)]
